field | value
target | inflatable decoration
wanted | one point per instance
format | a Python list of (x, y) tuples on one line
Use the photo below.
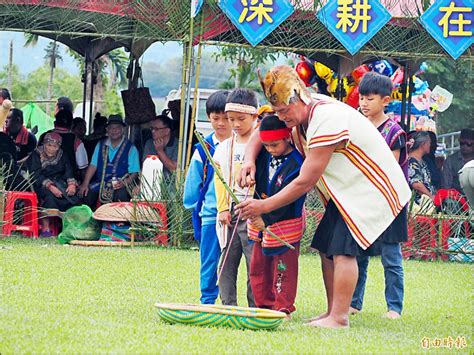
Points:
[(422, 69), (382, 67), (359, 72), (440, 99), (353, 98), (207, 315), (397, 77), (306, 72), (419, 86)]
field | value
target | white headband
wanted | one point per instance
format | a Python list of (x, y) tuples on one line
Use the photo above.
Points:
[(241, 108)]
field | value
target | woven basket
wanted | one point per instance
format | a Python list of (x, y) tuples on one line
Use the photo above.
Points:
[(220, 316)]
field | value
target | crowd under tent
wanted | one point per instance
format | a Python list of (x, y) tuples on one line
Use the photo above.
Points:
[(95, 27)]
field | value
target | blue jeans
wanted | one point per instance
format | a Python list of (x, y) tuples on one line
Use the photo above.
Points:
[(392, 264), (210, 252)]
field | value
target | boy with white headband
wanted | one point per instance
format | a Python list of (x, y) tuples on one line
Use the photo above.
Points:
[(241, 109), (274, 266)]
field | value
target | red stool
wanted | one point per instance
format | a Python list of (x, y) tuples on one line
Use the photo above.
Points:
[(30, 214), (161, 238)]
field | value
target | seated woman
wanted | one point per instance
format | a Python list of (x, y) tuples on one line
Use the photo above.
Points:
[(419, 176), (53, 178)]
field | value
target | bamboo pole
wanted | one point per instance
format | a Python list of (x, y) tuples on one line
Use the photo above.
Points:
[(342, 52), (229, 190), (195, 95)]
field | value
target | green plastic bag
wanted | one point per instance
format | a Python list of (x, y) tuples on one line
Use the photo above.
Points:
[(79, 224)]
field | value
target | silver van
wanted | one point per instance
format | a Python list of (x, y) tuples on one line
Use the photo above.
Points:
[(202, 122)]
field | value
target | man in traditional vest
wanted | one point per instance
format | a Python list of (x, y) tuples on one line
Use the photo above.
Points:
[(113, 168), (358, 179)]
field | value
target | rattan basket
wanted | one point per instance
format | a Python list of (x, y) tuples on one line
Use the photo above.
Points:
[(220, 316)]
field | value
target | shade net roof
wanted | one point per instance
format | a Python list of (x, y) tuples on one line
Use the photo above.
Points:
[(169, 20)]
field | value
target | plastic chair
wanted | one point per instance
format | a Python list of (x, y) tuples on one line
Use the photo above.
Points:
[(161, 238), (30, 214)]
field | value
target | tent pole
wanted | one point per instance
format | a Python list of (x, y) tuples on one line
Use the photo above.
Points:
[(91, 103), (410, 91), (84, 92), (187, 50), (181, 115), (404, 99), (195, 97), (186, 109)]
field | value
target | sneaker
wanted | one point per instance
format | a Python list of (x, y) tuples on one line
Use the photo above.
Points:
[(46, 234)]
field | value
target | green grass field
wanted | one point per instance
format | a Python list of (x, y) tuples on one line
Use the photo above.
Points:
[(56, 298)]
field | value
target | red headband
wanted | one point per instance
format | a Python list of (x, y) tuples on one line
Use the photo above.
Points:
[(274, 135)]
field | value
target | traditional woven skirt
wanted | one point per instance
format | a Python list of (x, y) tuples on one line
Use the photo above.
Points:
[(334, 238)]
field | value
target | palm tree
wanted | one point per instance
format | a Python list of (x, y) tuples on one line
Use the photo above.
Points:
[(51, 56), (111, 72)]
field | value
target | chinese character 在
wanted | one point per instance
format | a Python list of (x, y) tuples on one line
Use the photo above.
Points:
[(459, 21), (351, 13), (260, 9)]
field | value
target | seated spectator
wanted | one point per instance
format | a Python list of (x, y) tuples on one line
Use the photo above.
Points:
[(5, 106), (454, 163), (419, 176), (466, 178), (99, 132), (163, 143), (430, 160), (10, 177), (114, 166), (53, 178), (72, 146), (25, 141), (79, 127), (64, 103)]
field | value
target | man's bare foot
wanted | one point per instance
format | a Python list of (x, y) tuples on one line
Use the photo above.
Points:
[(392, 315), (353, 311), (321, 316), (330, 322), (287, 318)]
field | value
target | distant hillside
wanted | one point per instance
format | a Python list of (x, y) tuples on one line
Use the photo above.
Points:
[(30, 58)]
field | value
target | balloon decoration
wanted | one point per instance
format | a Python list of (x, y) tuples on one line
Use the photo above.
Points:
[(425, 103), (306, 72)]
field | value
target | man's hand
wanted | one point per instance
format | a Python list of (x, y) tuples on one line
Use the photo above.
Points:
[(247, 174), (83, 190), (117, 184), (160, 144), (71, 189), (258, 223), (55, 191), (252, 209), (225, 218)]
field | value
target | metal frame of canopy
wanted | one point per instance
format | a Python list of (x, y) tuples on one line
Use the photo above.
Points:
[(97, 25)]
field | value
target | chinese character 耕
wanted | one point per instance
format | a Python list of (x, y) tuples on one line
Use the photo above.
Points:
[(259, 9), (460, 21), (351, 13)]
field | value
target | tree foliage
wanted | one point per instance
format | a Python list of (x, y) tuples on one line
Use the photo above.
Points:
[(246, 62), (456, 77)]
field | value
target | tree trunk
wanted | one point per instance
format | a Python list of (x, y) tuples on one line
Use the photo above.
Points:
[(52, 65), (10, 68)]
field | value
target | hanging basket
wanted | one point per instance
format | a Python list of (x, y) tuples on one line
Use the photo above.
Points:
[(220, 316)]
